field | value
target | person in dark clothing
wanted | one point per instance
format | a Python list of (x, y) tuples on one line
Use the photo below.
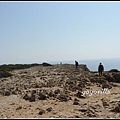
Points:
[(100, 69), (76, 64)]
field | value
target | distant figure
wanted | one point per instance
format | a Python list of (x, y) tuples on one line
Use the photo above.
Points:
[(100, 69), (76, 64)]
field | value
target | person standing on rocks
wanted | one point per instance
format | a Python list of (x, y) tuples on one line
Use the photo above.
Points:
[(76, 64), (100, 69)]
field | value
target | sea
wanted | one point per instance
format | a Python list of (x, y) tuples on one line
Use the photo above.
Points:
[(92, 65)]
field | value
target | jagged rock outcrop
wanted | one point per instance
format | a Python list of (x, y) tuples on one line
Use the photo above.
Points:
[(112, 76)]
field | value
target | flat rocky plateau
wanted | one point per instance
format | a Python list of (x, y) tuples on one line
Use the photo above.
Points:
[(59, 91)]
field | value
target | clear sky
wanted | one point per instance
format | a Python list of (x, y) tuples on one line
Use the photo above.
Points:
[(33, 32)]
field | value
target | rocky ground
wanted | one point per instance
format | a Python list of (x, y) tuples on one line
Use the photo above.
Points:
[(57, 92)]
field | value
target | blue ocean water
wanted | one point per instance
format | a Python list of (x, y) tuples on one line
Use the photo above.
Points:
[(93, 64), (108, 64)]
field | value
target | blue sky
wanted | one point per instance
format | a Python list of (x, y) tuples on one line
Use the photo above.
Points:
[(33, 32)]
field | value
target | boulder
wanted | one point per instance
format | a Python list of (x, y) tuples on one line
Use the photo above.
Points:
[(114, 70), (46, 64)]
